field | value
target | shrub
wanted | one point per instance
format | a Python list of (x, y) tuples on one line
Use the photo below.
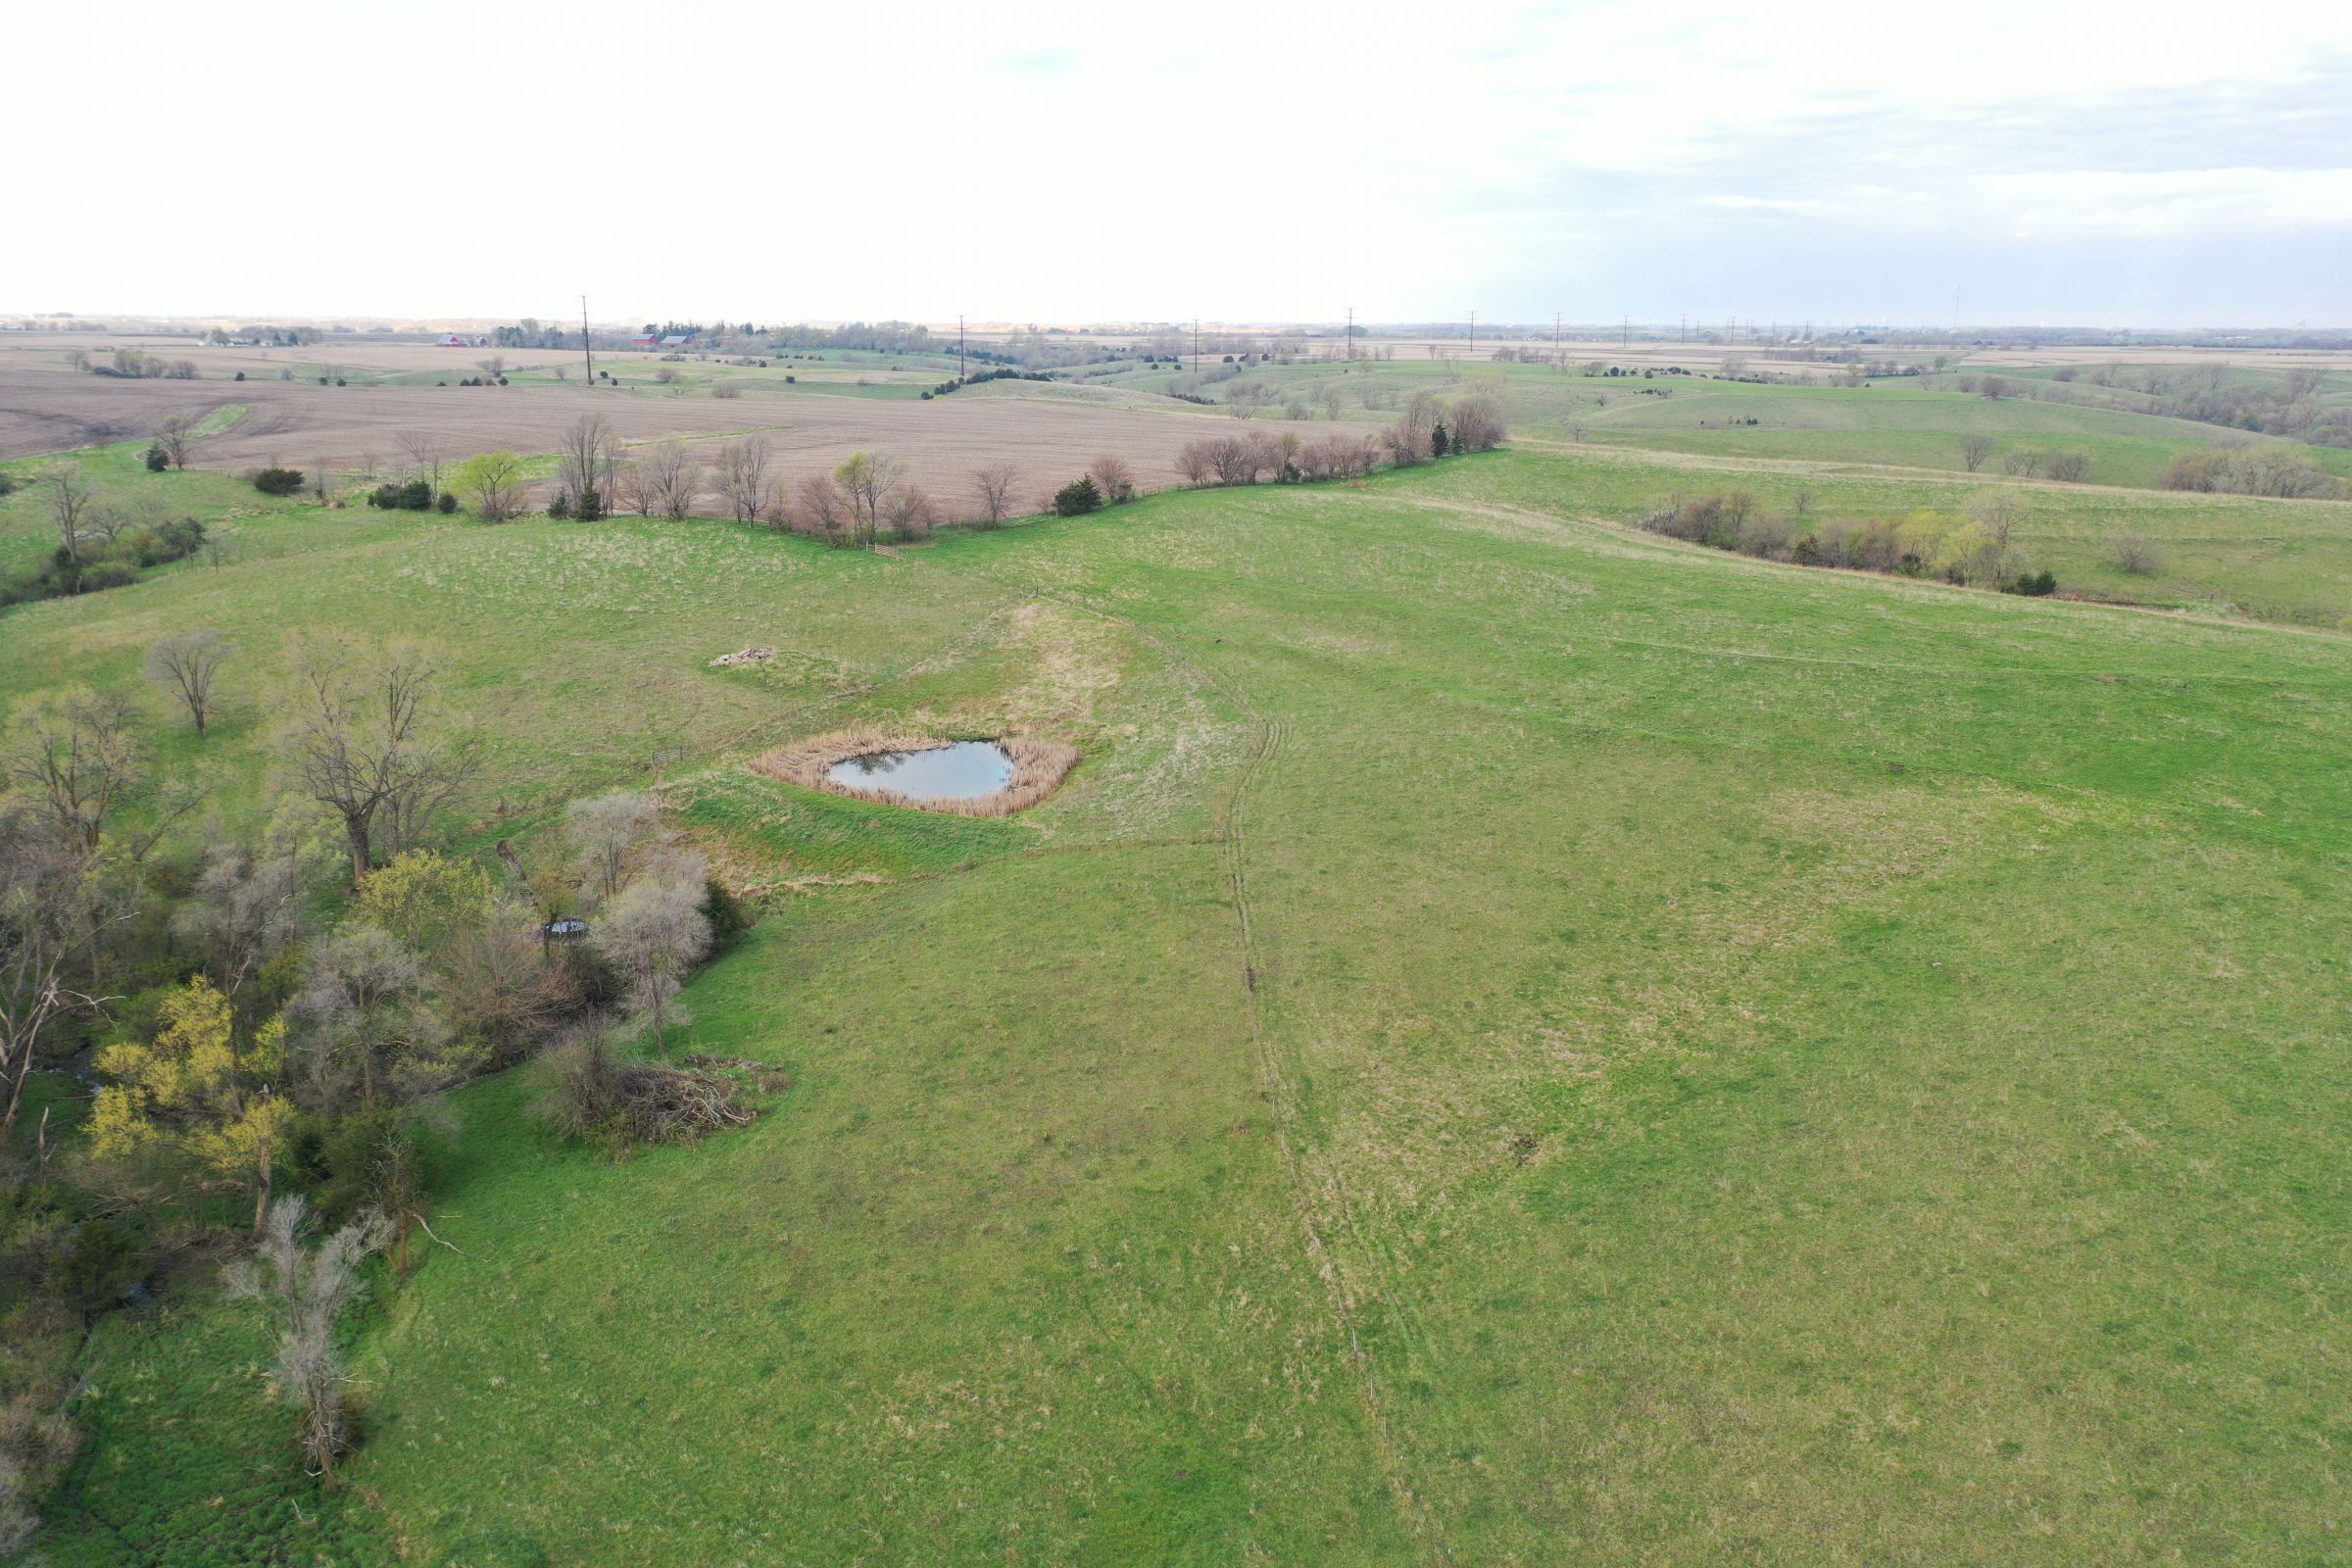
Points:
[(240, 376), (559, 506), (2070, 468), (277, 481), (2134, 553), (447, 504), (1077, 498), (156, 459), (2034, 585)]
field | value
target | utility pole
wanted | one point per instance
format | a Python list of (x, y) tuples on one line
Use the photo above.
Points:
[(1685, 327), (959, 345), (1474, 334), (1625, 330), (587, 347), (1196, 345)]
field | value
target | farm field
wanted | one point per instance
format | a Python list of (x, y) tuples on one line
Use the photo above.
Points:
[(1521, 1042), (44, 407)]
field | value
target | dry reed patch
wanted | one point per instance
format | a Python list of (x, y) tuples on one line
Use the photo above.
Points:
[(1038, 766)]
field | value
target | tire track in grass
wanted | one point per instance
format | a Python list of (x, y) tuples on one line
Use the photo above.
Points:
[(1275, 1085)]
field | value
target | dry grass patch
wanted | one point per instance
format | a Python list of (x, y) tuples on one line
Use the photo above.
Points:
[(1038, 766)]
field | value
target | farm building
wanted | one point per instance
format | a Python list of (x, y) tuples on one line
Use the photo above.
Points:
[(452, 340), (645, 340), (677, 340)]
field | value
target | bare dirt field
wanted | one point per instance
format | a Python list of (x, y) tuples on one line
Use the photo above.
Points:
[(47, 407)]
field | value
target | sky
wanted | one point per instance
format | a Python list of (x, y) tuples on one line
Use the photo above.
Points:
[(2056, 162)]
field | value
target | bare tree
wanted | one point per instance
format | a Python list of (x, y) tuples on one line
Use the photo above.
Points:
[(590, 456), (244, 911), (746, 476), (653, 933), (186, 665), (820, 509), (672, 478), (869, 481), (1974, 450), (364, 1022), (1195, 462), (78, 755), (1478, 424), (364, 742), (71, 505), (305, 1290), (51, 919), (2134, 553), (177, 434), (605, 832), (426, 456), (993, 486), (1115, 479)]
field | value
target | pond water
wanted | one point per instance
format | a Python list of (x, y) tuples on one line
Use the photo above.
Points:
[(963, 771)]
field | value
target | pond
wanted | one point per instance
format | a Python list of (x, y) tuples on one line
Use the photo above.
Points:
[(963, 771)]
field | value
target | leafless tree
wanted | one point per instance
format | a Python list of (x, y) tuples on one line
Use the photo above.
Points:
[(177, 434), (671, 477), (654, 933), (364, 1022), (746, 476), (366, 742), (1332, 402), (70, 503), (244, 911), (78, 755), (426, 456), (869, 482), (1115, 479), (52, 915), (1974, 450), (1195, 462), (820, 509), (606, 832), (590, 457), (1478, 424), (993, 486), (186, 665), (305, 1291), (2134, 553), (497, 983)]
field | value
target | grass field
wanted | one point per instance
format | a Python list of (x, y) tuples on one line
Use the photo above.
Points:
[(1519, 1043)]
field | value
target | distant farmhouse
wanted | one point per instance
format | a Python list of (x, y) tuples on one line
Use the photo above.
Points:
[(649, 340), (459, 340)]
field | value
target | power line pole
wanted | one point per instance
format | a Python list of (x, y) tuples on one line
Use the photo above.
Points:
[(959, 345), (1196, 345), (1625, 330), (587, 347), (1474, 334)]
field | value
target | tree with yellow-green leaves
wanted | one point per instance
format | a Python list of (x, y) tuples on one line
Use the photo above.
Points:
[(198, 1091), (423, 899)]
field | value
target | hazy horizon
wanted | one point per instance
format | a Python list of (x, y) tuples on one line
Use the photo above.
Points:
[(2109, 166)]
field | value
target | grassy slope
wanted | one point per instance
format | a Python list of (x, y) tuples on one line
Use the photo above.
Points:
[(1780, 1064)]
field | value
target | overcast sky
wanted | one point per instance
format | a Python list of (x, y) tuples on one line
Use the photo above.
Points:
[(2054, 161)]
